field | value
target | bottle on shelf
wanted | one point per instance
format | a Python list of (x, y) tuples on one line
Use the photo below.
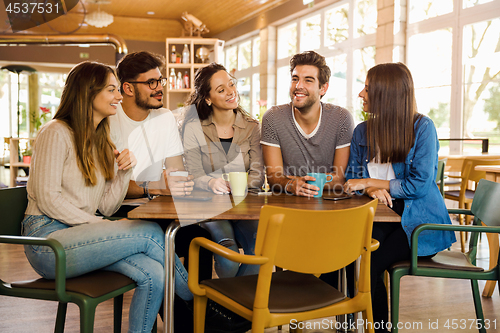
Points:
[(173, 55), (185, 55), (179, 81), (171, 79), (186, 80)]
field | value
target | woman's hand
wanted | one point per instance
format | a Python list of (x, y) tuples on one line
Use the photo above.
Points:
[(125, 159), (380, 194), (353, 185), (219, 186)]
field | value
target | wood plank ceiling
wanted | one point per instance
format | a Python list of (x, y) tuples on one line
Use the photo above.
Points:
[(132, 21)]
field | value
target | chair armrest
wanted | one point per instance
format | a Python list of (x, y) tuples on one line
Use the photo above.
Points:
[(194, 259), (454, 176), (459, 211), (228, 253), (375, 244), (443, 227), (59, 253)]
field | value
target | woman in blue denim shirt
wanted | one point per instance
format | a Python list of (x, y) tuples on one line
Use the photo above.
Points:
[(394, 158)]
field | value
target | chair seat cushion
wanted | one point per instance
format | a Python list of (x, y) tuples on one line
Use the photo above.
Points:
[(93, 284), (469, 194), (290, 291), (444, 260)]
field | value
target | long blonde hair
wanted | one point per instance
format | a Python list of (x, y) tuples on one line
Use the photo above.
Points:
[(84, 82)]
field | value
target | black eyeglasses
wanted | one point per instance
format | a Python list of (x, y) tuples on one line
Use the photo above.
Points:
[(153, 83)]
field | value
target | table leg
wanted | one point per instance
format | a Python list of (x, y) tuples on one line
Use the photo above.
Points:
[(493, 245), (168, 316)]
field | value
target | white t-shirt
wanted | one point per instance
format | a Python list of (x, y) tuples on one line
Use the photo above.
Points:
[(383, 171), (151, 140)]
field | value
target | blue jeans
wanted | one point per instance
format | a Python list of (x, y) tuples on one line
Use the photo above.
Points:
[(227, 233), (130, 247)]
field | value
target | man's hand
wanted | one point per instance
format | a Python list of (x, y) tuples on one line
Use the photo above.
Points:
[(125, 159), (178, 185), (299, 186)]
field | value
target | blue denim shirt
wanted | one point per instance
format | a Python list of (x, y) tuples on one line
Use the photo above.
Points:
[(415, 183)]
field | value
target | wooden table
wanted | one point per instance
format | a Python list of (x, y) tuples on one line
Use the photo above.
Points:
[(493, 174), (224, 207)]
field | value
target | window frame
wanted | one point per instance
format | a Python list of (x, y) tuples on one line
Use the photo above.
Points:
[(456, 21), (345, 47), (247, 72)]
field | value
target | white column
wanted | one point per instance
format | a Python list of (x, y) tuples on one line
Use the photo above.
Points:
[(391, 31), (268, 65)]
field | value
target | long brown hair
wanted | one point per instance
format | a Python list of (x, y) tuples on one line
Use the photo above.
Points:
[(202, 91), (84, 82), (393, 109)]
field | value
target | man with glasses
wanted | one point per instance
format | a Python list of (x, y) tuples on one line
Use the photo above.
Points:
[(142, 125), (150, 131)]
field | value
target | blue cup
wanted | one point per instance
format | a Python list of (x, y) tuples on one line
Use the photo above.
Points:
[(321, 180)]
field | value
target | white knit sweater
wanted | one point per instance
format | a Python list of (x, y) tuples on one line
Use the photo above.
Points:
[(56, 186)]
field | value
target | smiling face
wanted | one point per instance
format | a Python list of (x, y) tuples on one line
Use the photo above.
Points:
[(145, 97), (363, 94), (223, 94), (305, 90), (106, 101)]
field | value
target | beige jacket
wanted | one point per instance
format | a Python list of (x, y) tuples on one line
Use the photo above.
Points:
[(206, 158)]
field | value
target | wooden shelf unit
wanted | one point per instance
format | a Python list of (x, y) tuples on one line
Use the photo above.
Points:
[(15, 164), (174, 97)]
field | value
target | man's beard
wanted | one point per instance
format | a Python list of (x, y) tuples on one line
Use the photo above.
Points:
[(305, 106), (144, 104)]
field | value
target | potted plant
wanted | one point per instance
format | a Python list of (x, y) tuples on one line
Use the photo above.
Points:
[(27, 156)]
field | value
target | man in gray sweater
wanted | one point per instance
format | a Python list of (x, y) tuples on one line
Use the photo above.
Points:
[(306, 136)]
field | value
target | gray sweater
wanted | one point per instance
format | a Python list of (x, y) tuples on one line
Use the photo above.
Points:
[(56, 186)]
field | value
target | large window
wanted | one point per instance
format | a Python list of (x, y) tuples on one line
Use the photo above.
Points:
[(242, 59), (454, 55), (9, 124), (344, 34), (49, 87)]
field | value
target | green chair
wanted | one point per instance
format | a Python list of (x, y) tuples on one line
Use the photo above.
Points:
[(453, 264), (440, 175), (87, 291)]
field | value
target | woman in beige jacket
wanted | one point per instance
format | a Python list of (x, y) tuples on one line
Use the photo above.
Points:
[(220, 137)]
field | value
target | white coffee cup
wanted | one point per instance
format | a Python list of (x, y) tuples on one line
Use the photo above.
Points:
[(179, 174), (237, 181)]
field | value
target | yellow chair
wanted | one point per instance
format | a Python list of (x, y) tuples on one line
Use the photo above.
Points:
[(469, 178), (305, 244)]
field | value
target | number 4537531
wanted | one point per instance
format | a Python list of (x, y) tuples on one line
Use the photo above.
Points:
[(25, 8)]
